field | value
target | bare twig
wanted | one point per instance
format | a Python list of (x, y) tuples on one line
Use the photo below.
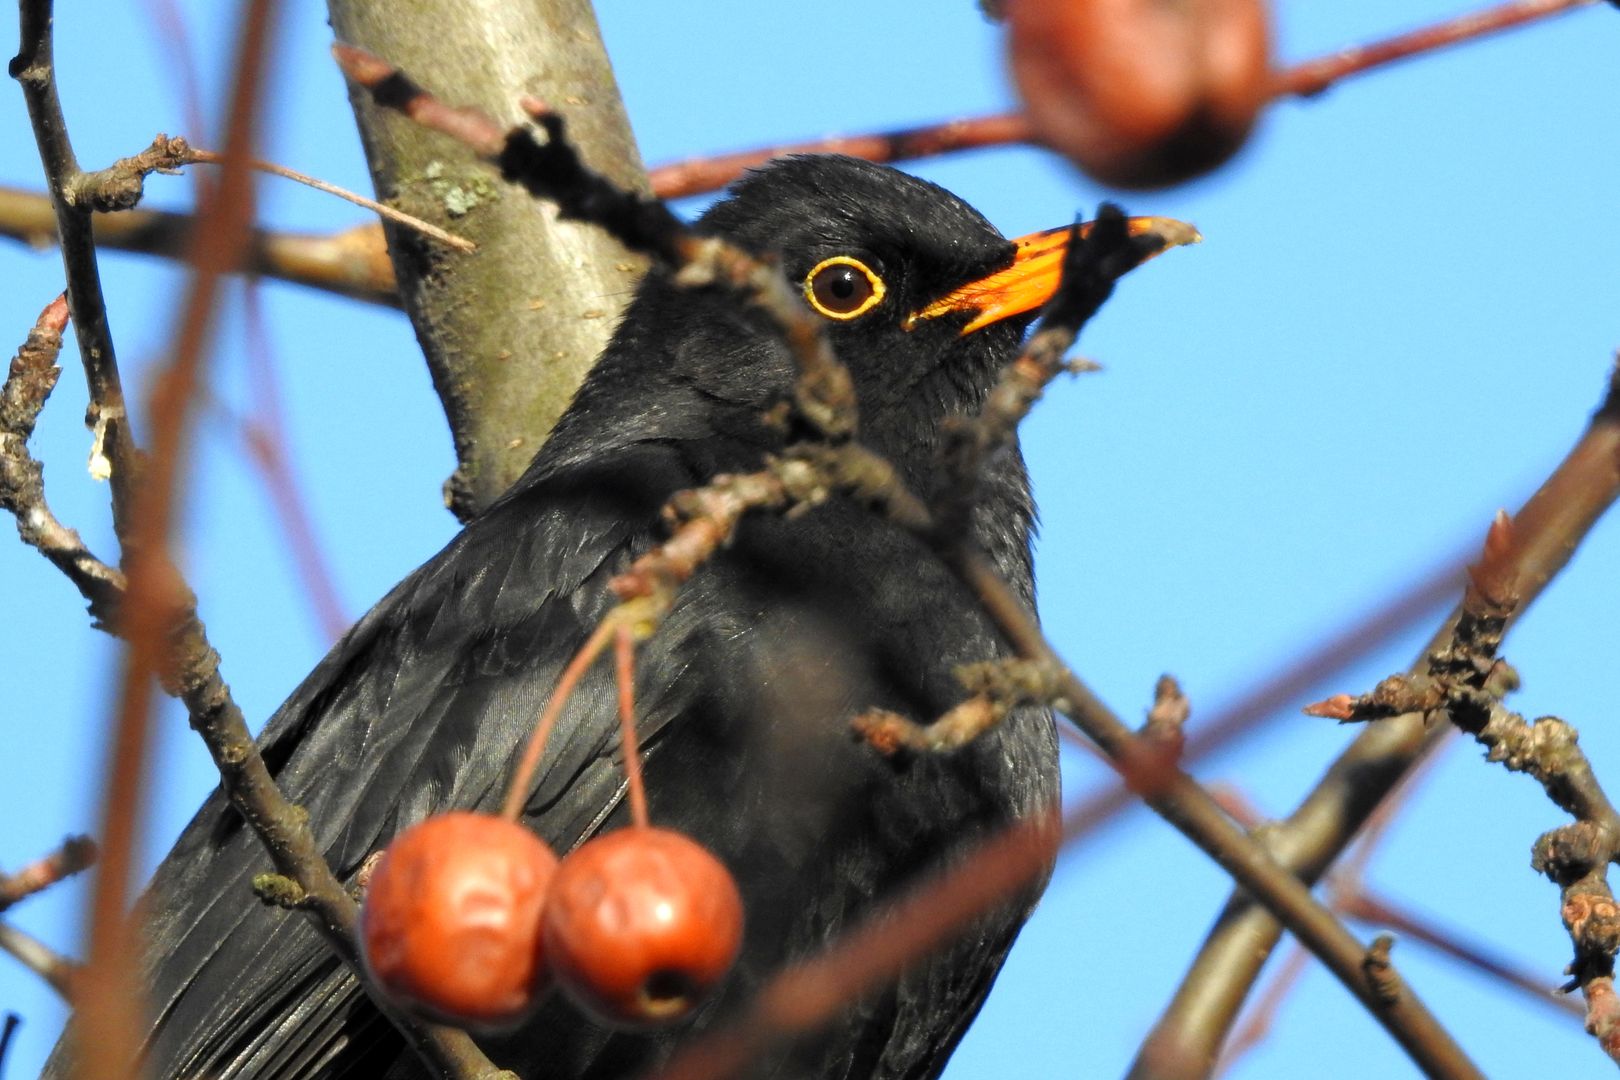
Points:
[(33, 68), (61, 973), (624, 669), (1355, 900), (695, 176), (1546, 532), (397, 216), (266, 441), (76, 854), (1460, 683), (120, 185), (31, 378), (352, 263), (1315, 76)]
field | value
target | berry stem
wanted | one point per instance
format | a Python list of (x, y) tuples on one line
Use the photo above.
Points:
[(624, 654), (517, 794)]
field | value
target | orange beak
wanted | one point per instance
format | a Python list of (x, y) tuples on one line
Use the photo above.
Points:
[(1034, 274)]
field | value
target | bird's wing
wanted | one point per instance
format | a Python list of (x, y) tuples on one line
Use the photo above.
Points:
[(418, 708)]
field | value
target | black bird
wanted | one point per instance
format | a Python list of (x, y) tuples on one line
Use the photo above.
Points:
[(746, 691)]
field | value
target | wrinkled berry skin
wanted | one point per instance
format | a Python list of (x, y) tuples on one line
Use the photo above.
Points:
[(641, 926), (450, 926)]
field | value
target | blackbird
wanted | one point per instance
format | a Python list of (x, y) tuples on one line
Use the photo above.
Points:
[(746, 692)]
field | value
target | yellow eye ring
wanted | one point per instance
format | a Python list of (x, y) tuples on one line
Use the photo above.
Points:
[(843, 288)]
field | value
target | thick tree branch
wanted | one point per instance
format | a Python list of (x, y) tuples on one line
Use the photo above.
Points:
[(507, 335)]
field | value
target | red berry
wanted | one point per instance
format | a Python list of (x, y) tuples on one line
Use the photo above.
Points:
[(450, 927), (1141, 93), (641, 925)]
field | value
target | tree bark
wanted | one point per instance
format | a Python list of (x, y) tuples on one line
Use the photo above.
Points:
[(509, 331)]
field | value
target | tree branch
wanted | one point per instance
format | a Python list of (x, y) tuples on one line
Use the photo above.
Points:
[(509, 335), (823, 397), (352, 263), (1547, 530)]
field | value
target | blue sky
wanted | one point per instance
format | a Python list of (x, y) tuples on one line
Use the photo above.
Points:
[(1401, 316)]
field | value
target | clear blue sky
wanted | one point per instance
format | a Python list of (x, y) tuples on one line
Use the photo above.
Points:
[(1402, 314)]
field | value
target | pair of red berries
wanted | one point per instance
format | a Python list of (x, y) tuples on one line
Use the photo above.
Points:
[(470, 919)]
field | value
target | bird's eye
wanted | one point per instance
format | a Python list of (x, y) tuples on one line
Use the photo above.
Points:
[(842, 288)]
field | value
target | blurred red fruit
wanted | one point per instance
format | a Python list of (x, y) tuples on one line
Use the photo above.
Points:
[(1141, 93), (450, 927), (641, 925)]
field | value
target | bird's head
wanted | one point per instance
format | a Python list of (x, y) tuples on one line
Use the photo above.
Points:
[(922, 298)]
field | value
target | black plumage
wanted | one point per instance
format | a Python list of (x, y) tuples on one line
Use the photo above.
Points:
[(745, 692)]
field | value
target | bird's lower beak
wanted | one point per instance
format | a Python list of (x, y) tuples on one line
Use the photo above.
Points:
[(1034, 274)]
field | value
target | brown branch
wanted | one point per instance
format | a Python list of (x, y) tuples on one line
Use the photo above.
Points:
[(157, 613), (58, 971), (1262, 1016), (805, 996), (1315, 76), (1356, 901), (33, 68), (1546, 532), (32, 376), (697, 176), (1179, 799), (75, 855), (352, 263), (266, 441)]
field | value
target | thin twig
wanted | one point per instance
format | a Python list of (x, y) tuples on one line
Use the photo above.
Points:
[(352, 263), (1546, 531), (1315, 76), (265, 438), (697, 176), (34, 70), (1356, 901), (399, 217), (75, 855), (32, 376), (58, 971)]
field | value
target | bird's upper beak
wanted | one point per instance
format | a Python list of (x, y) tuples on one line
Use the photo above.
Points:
[(1034, 274)]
